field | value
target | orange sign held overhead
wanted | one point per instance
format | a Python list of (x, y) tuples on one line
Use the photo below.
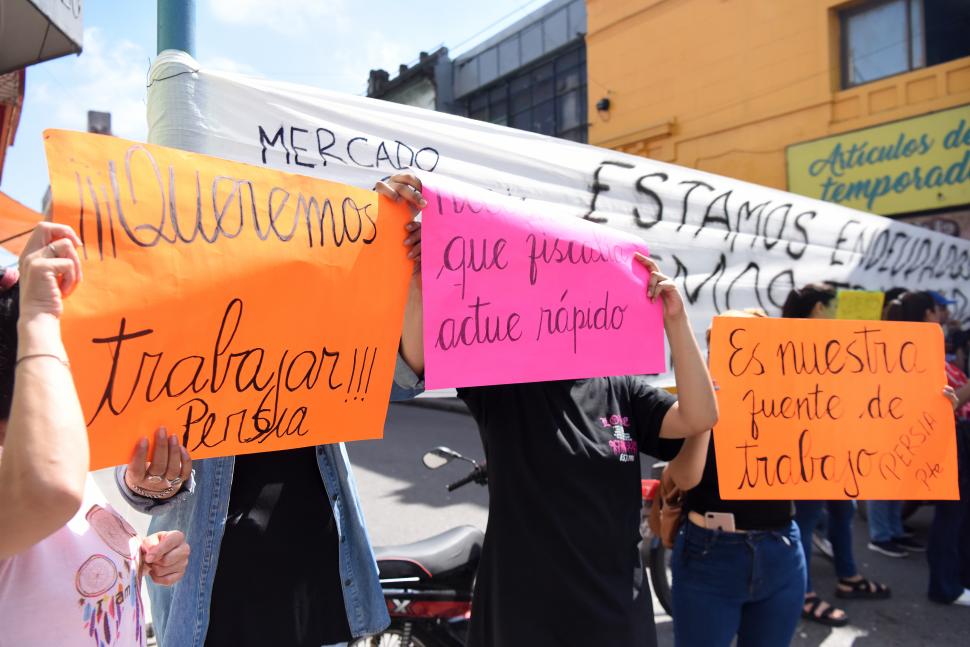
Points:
[(827, 409), (246, 309)]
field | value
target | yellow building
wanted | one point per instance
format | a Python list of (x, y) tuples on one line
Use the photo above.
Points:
[(863, 102)]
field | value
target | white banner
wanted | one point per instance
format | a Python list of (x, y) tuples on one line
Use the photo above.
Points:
[(729, 244)]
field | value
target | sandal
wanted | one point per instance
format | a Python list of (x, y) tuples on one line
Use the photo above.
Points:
[(810, 611), (861, 589)]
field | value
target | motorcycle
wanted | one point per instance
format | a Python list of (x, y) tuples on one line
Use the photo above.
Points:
[(428, 584)]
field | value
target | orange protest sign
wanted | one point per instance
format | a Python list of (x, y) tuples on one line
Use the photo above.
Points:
[(246, 309), (828, 409)]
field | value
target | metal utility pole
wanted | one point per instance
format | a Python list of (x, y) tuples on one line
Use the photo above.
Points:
[(176, 25)]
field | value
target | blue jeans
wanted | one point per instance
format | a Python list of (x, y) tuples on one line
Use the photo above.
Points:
[(948, 549), (885, 520), (750, 585), (808, 514)]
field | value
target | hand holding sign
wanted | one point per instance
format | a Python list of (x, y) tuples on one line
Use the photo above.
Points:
[(659, 284), (165, 474), (50, 269), (406, 187)]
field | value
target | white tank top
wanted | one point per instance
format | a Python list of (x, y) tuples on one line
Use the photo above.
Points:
[(79, 587)]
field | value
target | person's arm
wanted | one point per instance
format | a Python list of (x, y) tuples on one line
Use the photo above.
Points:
[(412, 334), (687, 468), (696, 409), (45, 452), (407, 187)]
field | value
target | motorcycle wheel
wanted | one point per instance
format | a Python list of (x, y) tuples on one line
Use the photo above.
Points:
[(393, 637), (660, 574)]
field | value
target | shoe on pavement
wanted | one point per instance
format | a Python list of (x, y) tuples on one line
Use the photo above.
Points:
[(909, 544), (823, 545), (964, 599), (888, 548)]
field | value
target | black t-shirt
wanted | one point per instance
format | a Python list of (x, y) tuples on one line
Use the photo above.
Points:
[(560, 564), (278, 577), (748, 515)]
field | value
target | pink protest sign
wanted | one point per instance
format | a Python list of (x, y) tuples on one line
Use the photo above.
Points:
[(512, 296)]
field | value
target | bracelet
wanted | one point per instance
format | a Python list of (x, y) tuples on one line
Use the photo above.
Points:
[(155, 494), (33, 355)]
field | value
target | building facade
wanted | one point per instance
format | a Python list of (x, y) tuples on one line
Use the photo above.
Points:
[(531, 75), (864, 103)]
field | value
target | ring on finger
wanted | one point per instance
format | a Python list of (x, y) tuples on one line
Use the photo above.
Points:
[(52, 250), (154, 478), (175, 481)]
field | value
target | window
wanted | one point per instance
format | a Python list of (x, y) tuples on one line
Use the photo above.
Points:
[(889, 37), (548, 97)]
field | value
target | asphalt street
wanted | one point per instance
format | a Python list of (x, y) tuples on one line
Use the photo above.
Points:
[(404, 501)]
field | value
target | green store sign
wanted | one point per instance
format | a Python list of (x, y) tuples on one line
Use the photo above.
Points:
[(905, 166)]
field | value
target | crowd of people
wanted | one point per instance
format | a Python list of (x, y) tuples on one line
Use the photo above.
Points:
[(272, 548)]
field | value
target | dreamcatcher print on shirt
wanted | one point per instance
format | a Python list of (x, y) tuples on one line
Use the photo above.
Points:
[(110, 587)]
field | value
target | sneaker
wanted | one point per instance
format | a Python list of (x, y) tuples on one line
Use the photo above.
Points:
[(888, 548), (823, 545), (909, 544), (908, 531), (964, 599)]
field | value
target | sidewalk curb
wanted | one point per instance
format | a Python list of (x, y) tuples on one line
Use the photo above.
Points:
[(450, 405)]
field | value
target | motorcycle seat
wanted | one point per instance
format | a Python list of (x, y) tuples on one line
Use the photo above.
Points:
[(435, 556)]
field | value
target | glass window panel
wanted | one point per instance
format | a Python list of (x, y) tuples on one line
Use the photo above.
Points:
[(917, 40), (567, 60), (947, 30), (544, 118), (877, 42), (575, 135), (477, 101), (520, 83), (570, 114), (481, 115), (542, 73), (567, 80), (498, 94), (488, 65), (499, 109), (577, 17), (543, 91), (530, 43), (520, 101), (555, 30), (522, 120), (508, 55), (466, 76)]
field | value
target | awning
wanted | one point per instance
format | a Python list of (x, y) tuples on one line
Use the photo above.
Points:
[(32, 31)]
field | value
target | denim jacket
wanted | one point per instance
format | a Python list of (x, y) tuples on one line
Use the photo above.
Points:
[(181, 613)]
